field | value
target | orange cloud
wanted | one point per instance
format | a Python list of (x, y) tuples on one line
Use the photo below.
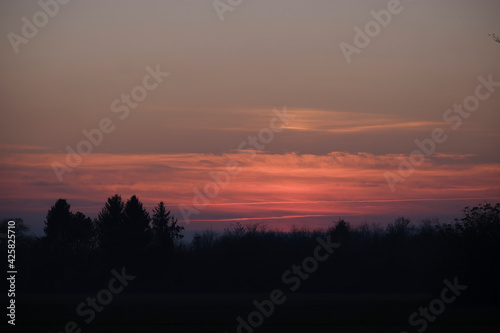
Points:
[(271, 187)]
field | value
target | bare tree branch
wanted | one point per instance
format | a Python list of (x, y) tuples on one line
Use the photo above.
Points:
[(496, 38)]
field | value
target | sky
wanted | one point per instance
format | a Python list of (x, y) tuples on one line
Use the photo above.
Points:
[(286, 113)]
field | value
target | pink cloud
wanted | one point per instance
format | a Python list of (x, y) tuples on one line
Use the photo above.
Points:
[(271, 187)]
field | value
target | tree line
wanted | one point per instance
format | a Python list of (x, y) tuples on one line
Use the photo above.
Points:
[(77, 253)]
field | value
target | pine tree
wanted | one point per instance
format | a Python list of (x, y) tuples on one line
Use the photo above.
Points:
[(110, 224), (136, 224), (57, 224), (165, 228)]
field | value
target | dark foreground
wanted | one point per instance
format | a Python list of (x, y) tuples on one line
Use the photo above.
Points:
[(218, 313)]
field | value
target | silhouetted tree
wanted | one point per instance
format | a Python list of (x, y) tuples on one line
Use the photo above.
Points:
[(428, 225), (234, 232), (21, 229), (109, 225), (165, 229), (400, 228), (57, 225), (483, 219), (69, 242), (205, 240), (341, 232), (136, 220), (474, 245), (66, 231), (83, 233), (123, 229)]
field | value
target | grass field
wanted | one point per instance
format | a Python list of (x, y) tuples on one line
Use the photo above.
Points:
[(218, 313)]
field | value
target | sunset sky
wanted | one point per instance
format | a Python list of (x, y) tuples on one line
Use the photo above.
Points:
[(349, 125)]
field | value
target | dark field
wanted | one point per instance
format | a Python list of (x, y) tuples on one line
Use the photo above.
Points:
[(218, 313)]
